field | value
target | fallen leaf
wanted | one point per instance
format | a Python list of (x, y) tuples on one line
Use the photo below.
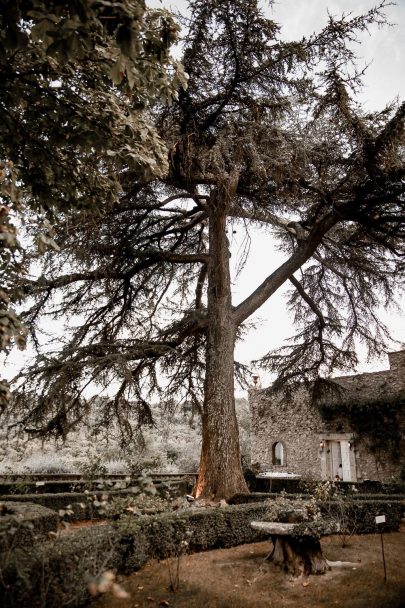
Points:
[(119, 592), (305, 584)]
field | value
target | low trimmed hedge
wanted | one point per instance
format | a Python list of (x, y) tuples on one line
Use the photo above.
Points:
[(82, 508), (56, 574), (361, 514), (203, 529), (380, 497), (295, 486), (80, 502), (276, 484), (17, 488), (21, 525), (247, 498)]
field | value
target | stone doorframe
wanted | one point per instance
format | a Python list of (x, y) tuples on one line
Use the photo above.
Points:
[(350, 471)]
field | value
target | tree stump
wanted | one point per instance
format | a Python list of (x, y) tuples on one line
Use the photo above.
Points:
[(296, 549), (298, 556)]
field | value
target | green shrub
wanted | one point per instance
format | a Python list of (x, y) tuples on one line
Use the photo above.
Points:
[(361, 514), (245, 498), (23, 524), (56, 574)]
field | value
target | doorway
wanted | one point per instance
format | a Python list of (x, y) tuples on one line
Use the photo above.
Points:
[(340, 460)]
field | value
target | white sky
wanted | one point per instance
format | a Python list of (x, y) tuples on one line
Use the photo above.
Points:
[(384, 50)]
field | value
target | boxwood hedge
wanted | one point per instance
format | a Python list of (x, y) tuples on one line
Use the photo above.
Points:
[(56, 574)]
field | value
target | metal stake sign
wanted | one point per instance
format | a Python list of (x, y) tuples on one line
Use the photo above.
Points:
[(380, 519)]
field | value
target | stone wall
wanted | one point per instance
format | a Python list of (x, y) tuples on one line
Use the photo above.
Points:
[(295, 425), (305, 435)]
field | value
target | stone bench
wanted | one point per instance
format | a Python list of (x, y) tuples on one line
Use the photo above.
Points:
[(297, 547)]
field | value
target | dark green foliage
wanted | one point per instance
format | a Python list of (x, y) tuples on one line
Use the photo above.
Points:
[(377, 421), (22, 525), (57, 573), (82, 504), (240, 499), (26, 486), (208, 529), (379, 497), (314, 529), (357, 511), (78, 82), (378, 487), (266, 484), (360, 514)]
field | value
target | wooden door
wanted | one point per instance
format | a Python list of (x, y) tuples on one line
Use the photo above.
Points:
[(345, 452)]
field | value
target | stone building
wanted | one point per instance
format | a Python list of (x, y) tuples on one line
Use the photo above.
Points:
[(358, 433)]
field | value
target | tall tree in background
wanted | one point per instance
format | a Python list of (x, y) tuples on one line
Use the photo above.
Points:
[(78, 81), (267, 133)]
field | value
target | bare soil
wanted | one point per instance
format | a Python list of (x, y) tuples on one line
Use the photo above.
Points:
[(241, 577)]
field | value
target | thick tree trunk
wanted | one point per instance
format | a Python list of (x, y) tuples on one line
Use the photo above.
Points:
[(299, 556), (220, 473)]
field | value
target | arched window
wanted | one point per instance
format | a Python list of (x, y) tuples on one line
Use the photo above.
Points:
[(278, 453)]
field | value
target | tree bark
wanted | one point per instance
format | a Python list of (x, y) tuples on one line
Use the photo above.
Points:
[(220, 474), (299, 556)]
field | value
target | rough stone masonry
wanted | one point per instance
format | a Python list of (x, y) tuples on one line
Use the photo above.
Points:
[(294, 436)]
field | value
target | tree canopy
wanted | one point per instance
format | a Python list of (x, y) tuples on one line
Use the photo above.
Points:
[(268, 133), (79, 83)]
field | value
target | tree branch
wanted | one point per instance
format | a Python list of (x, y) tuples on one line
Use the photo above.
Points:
[(308, 300), (303, 252)]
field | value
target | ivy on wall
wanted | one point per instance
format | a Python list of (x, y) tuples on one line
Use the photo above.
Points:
[(378, 422)]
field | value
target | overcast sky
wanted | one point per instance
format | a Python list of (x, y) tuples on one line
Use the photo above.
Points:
[(384, 50)]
